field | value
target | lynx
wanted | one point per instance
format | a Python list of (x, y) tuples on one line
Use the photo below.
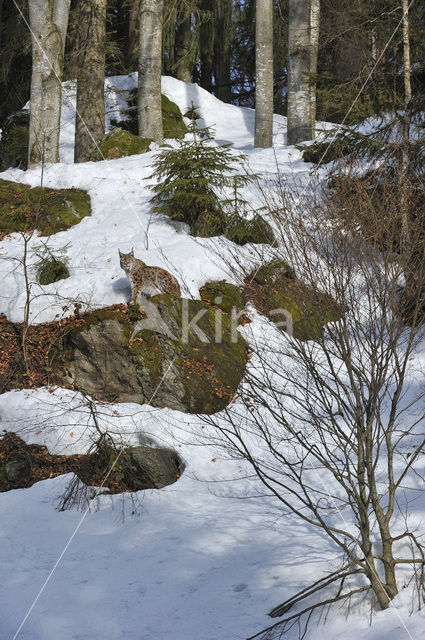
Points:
[(147, 281)]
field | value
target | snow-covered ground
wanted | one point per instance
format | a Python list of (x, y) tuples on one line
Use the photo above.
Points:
[(196, 561)]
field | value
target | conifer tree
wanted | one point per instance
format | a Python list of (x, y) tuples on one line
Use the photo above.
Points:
[(190, 178)]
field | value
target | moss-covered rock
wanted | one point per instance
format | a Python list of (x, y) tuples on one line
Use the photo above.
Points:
[(14, 141), (23, 208), (193, 351), (172, 119), (223, 295), (119, 143), (295, 307), (242, 231)]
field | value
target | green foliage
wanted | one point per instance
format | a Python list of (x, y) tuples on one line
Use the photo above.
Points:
[(188, 179), (52, 264), (23, 208)]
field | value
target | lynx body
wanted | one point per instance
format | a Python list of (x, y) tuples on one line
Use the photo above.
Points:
[(147, 281)]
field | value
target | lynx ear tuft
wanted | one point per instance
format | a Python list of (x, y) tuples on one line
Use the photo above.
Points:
[(132, 252)]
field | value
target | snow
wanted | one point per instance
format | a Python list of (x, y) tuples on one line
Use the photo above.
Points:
[(197, 561)]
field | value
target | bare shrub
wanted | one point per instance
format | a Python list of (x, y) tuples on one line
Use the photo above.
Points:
[(333, 428)]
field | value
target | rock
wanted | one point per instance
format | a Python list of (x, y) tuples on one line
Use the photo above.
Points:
[(191, 367), (294, 307), (151, 468)]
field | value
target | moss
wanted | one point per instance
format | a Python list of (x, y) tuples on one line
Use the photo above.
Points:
[(146, 349), (23, 208), (91, 319), (210, 372), (223, 295), (274, 290), (172, 119), (119, 143), (272, 273)]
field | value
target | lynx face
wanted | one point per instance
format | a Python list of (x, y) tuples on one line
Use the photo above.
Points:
[(126, 259)]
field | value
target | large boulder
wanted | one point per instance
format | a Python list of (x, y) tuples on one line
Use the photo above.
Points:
[(183, 354)]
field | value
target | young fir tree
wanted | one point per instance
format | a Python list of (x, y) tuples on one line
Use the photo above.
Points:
[(190, 178)]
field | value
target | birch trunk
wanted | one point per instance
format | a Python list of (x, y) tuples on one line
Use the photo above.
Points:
[(150, 64), (300, 126), (48, 21), (90, 117), (405, 126), (314, 53), (263, 136)]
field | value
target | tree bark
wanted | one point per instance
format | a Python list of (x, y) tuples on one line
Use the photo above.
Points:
[(263, 136), (300, 126), (314, 54), (183, 36), (150, 64), (90, 117), (206, 45), (48, 21), (223, 19), (133, 35)]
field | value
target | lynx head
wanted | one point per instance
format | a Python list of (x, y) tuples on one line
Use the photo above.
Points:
[(126, 259)]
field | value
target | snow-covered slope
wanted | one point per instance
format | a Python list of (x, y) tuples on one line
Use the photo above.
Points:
[(196, 562)]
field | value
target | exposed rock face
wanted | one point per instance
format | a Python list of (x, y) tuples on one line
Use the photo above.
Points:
[(192, 360), (127, 469), (102, 365)]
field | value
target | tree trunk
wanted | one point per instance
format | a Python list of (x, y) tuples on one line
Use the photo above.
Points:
[(133, 35), (183, 36), (90, 117), (206, 45), (300, 126), (150, 62), (48, 21), (314, 52), (405, 146), (223, 19), (264, 74)]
